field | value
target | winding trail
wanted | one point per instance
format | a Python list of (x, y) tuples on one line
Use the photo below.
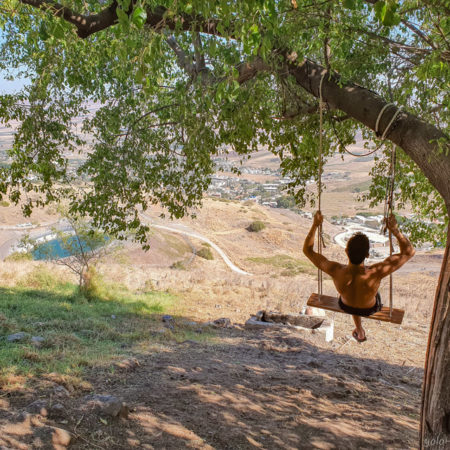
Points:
[(182, 229)]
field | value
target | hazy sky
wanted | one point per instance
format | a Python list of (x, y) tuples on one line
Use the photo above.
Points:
[(8, 87)]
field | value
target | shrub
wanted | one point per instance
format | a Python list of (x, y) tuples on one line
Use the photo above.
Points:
[(178, 265), (4, 203), (19, 256), (256, 226), (206, 253)]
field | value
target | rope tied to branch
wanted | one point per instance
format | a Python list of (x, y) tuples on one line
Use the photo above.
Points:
[(320, 240)]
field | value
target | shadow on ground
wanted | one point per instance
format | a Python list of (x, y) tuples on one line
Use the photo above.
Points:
[(245, 390)]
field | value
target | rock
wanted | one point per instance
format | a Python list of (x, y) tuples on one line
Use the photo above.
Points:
[(57, 410), (113, 316), (60, 391), (52, 437), (314, 363), (169, 326), (16, 337), (108, 405), (167, 318), (223, 322), (128, 364), (38, 407), (37, 341)]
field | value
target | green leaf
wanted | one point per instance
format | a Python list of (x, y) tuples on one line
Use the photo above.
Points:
[(123, 17), (139, 17), (43, 32), (349, 4)]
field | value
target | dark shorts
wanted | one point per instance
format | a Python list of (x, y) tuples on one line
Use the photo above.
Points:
[(362, 311)]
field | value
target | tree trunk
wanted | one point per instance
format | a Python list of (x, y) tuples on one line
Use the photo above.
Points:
[(435, 414)]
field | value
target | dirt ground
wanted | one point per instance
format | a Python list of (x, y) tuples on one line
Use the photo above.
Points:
[(243, 390)]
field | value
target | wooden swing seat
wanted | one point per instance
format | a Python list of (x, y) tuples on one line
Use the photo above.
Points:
[(331, 304)]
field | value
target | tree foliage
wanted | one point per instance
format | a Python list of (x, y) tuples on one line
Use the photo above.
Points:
[(152, 97)]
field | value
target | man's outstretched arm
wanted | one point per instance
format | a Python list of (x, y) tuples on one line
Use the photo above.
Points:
[(394, 262), (317, 259)]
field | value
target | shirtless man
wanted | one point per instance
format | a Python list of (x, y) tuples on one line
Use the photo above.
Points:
[(356, 283)]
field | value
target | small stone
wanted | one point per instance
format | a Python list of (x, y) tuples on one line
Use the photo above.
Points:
[(113, 316), (60, 391), (17, 337), (57, 410), (108, 405), (38, 407), (128, 364), (223, 322), (52, 437), (218, 306), (169, 326), (167, 318), (37, 341)]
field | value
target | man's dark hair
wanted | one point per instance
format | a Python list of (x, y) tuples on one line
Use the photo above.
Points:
[(358, 248)]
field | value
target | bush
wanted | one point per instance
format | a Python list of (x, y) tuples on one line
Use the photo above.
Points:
[(206, 253), (256, 226), (287, 201), (19, 256), (4, 203), (178, 265)]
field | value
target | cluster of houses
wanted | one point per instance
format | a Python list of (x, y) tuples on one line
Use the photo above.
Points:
[(227, 187)]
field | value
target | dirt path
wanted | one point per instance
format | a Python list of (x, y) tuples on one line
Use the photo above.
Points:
[(184, 230), (247, 390)]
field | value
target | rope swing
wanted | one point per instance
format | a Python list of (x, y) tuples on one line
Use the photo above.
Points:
[(331, 303)]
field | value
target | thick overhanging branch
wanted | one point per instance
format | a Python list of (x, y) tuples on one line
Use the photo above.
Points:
[(85, 24), (88, 24), (416, 137), (248, 70)]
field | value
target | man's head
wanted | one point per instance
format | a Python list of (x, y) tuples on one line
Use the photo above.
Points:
[(358, 248)]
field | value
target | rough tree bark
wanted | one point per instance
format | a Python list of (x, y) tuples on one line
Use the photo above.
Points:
[(435, 414), (416, 137)]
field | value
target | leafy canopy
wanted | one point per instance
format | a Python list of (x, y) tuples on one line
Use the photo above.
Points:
[(139, 110)]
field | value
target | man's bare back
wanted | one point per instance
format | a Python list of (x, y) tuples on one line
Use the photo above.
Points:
[(357, 284)]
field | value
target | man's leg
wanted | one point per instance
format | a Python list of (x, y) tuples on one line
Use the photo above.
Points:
[(359, 329)]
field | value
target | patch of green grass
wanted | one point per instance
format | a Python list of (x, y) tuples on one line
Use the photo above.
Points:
[(354, 187), (19, 256), (256, 226), (205, 253), (291, 266), (78, 333), (4, 203)]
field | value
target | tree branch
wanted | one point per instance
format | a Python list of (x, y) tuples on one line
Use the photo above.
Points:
[(88, 24), (184, 60)]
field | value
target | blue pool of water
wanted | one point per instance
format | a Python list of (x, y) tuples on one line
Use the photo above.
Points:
[(54, 250)]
